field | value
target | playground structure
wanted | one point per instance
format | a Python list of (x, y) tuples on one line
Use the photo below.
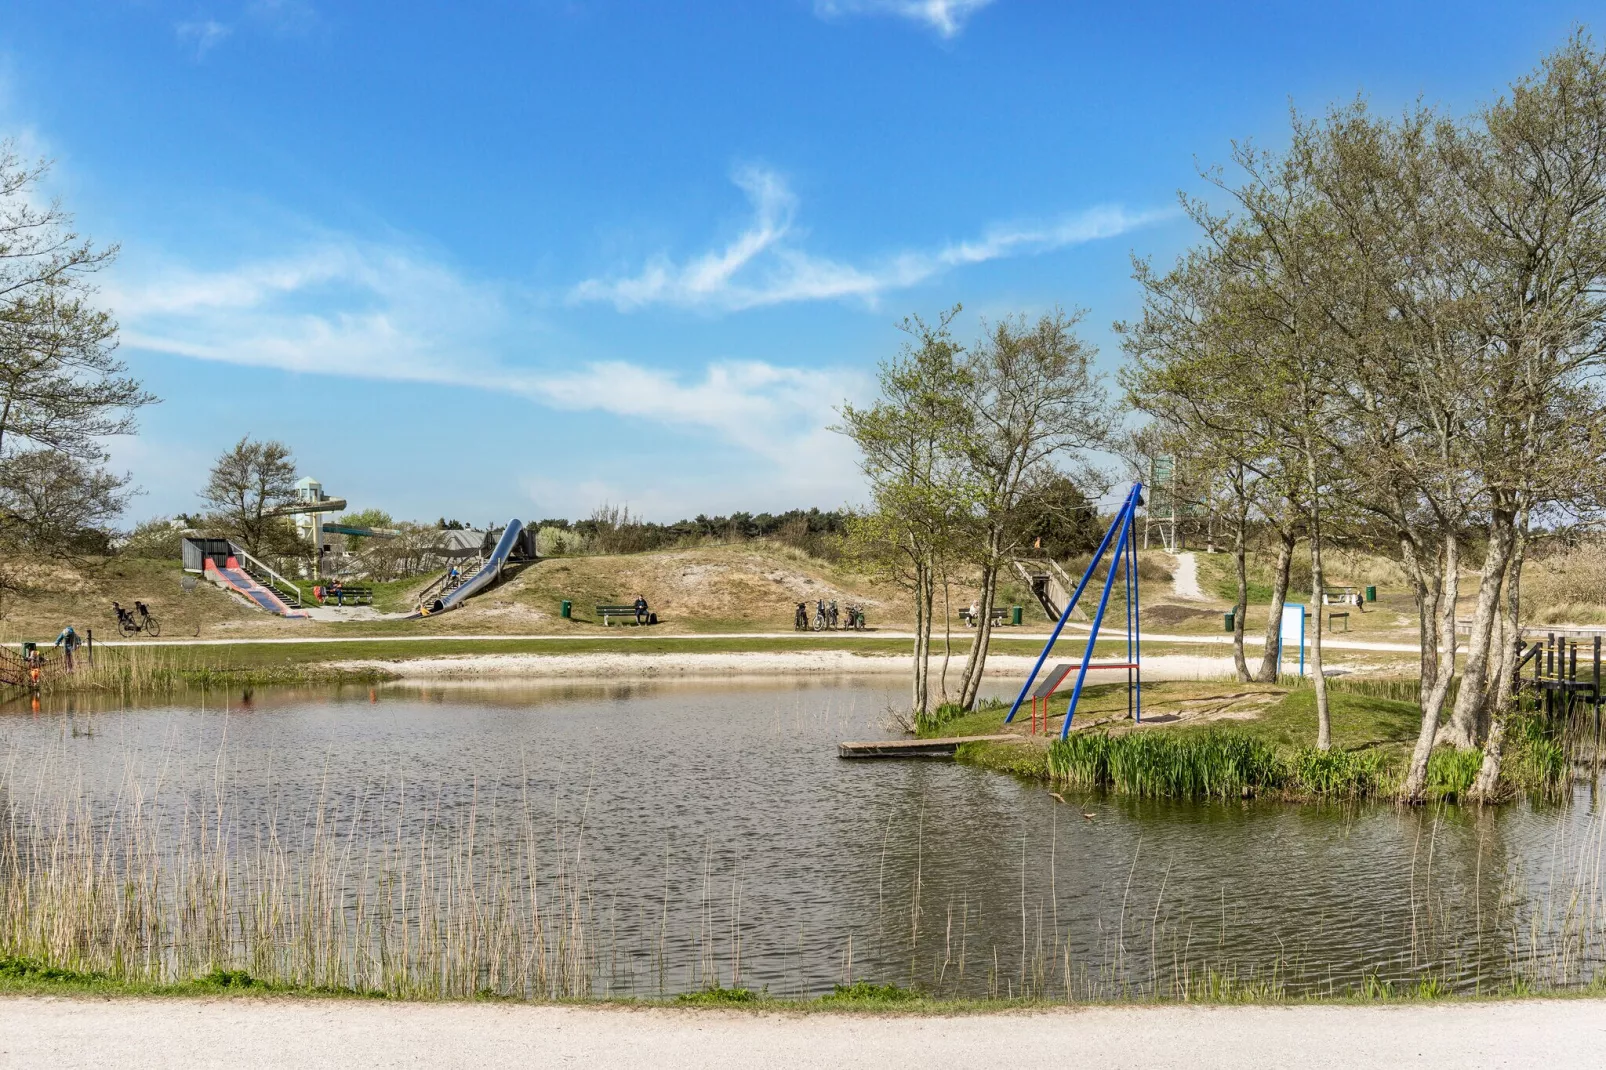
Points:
[(513, 544), (229, 566), (1123, 558)]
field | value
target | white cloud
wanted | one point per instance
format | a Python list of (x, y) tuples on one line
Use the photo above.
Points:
[(946, 17), (389, 314), (202, 34), (764, 266)]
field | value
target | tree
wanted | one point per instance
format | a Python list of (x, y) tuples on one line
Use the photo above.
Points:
[(62, 392), (1058, 520), (249, 481), (1030, 399), (919, 497)]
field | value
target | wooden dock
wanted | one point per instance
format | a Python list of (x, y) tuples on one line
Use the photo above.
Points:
[(911, 748)]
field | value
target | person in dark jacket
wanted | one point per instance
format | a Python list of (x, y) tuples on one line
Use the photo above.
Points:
[(641, 610)]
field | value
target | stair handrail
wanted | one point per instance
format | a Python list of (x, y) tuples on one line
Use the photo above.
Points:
[(289, 592), (439, 585), (1057, 574)]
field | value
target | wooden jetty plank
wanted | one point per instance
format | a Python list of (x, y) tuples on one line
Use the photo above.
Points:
[(911, 748)]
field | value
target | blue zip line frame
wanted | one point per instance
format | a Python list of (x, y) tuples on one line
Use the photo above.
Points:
[(1125, 554)]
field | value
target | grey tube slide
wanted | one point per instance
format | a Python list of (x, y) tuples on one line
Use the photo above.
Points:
[(485, 576)]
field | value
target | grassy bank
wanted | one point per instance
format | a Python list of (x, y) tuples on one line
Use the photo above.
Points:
[(1264, 744)]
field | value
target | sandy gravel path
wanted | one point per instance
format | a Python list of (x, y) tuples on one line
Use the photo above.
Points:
[(342, 1035), (1185, 581)]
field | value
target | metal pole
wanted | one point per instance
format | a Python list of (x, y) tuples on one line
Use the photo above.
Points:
[(1104, 601), (1137, 640), (1070, 604), (1126, 559)]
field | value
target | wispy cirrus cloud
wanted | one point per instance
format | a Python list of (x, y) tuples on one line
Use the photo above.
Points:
[(202, 35), (384, 313), (946, 17), (764, 265)]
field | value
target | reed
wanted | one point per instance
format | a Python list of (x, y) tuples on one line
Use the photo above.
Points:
[(1198, 765), (137, 671), (1341, 774)]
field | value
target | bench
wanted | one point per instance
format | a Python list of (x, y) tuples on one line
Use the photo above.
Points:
[(1337, 615), (625, 614), (349, 596), (1000, 615)]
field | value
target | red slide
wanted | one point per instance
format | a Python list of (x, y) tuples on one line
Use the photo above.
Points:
[(241, 582)]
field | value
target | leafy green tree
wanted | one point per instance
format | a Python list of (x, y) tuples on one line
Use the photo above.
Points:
[(249, 481), (62, 392), (919, 495)]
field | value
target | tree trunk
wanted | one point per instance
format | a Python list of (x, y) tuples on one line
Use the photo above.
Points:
[(947, 635), (976, 663), (1470, 708), (1324, 721), (1444, 643), (1241, 606), (1426, 590), (920, 700), (1503, 685), (1279, 595)]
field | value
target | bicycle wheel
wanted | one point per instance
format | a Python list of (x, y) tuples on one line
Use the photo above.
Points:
[(126, 627), (152, 628)]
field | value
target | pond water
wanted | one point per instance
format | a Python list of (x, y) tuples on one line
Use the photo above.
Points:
[(654, 838)]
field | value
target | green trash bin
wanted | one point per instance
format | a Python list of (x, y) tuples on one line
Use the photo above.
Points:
[(1371, 594), (1228, 619), (1014, 615), (566, 609)]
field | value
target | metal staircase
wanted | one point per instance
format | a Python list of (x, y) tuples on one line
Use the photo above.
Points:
[(446, 584)]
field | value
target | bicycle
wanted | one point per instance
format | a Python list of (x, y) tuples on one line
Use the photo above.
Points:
[(819, 616), (831, 615), (800, 620), (129, 624), (856, 618)]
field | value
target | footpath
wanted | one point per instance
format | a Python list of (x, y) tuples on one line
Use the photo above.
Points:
[(350, 1034)]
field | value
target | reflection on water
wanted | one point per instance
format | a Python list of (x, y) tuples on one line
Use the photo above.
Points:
[(670, 836)]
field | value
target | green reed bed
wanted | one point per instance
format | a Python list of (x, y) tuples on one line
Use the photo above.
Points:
[(1214, 764), (1221, 763)]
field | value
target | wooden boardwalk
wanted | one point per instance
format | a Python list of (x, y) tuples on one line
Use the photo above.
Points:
[(912, 748)]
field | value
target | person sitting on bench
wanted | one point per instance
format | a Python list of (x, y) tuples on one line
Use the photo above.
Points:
[(339, 591), (641, 610)]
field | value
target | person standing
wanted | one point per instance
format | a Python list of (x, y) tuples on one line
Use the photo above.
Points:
[(68, 641)]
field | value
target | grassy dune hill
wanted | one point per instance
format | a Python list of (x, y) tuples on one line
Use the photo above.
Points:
[(60, 594), (747, 587)]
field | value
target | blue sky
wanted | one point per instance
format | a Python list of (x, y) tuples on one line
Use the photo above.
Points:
[(519, 258)]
